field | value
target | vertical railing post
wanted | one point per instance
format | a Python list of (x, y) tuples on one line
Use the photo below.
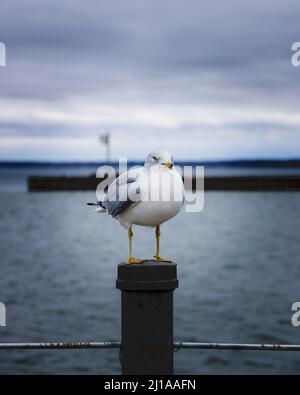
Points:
[(147, 317)]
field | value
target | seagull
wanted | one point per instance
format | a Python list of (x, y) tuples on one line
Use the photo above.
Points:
[(145, 196)]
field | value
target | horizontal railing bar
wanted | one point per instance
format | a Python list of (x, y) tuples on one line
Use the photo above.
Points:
[(177, 346), (236, 346), (58, 345)]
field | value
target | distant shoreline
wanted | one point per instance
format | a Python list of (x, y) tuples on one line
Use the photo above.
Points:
[(249, 163)]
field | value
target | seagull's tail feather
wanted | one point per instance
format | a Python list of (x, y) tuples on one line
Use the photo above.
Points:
[(100, 207)]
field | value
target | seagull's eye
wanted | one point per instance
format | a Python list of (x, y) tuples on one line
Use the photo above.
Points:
[(154, 157)]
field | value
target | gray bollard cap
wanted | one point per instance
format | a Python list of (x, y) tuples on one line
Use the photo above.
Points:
[(147, 276)]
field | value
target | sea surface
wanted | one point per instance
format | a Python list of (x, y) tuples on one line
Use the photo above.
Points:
[(238, 267)]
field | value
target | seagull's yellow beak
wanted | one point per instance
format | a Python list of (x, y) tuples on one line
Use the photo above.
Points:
[(169, 165)]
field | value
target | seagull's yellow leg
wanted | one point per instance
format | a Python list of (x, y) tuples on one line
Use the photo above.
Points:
[(130, 258), (157, 257)]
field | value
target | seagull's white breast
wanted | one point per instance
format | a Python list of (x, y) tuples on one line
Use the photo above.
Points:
[(161, 198)]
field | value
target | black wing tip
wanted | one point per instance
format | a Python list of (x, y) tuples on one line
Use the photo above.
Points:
[(97, 204)]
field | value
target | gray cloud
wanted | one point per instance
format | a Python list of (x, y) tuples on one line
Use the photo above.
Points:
[(170, 53)]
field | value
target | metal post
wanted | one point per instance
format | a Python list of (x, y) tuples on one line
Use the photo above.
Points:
[(147, 317)]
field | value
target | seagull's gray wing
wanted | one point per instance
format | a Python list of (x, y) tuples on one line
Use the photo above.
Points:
[(118, 199)]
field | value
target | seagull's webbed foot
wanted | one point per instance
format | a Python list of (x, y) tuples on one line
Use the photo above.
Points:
[(132, 260), (160, 259)]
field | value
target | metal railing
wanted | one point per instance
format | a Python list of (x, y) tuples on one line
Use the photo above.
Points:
[(236, 346), (177, 346), (59, 345)]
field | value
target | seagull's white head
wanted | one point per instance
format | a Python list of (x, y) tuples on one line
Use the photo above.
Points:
[(160, 157)]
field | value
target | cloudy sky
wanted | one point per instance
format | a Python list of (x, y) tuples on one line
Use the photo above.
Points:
[(207, 79)]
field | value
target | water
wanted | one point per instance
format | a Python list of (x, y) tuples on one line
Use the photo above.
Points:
[(238, 266)]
